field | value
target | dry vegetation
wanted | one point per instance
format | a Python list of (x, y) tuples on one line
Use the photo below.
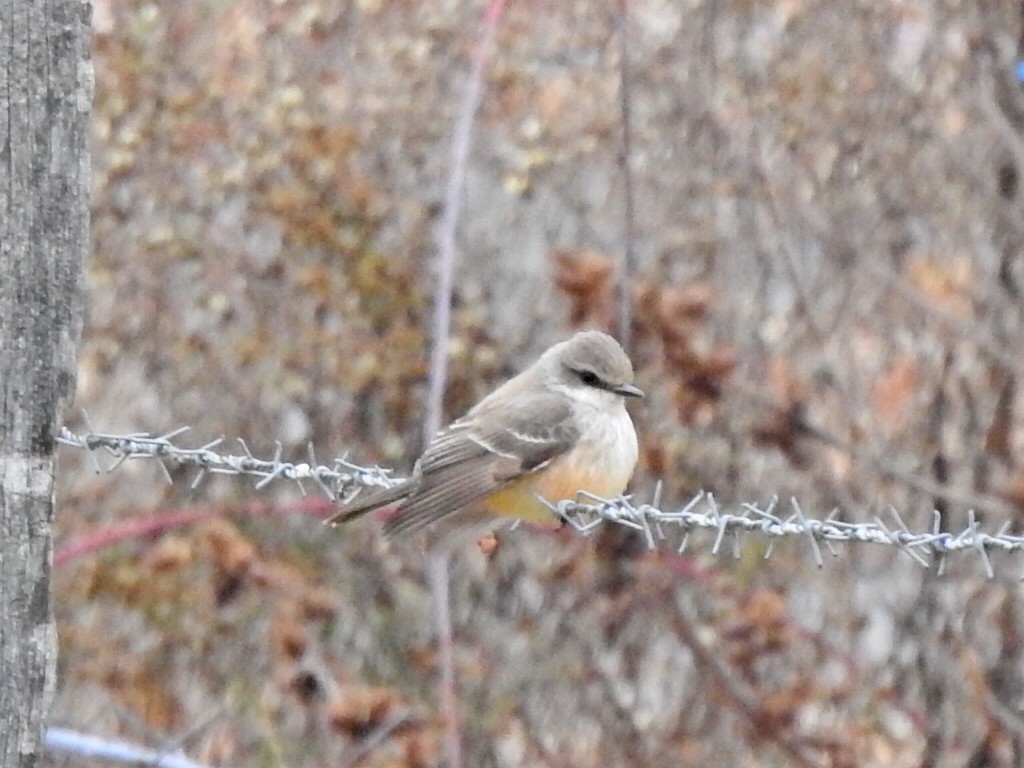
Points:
[(828, 305)]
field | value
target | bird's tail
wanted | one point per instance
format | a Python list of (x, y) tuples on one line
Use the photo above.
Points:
[(370, 501)]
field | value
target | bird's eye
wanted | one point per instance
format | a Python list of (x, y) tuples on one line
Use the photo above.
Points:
[(589, 378)]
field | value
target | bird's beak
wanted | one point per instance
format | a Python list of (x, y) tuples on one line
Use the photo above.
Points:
[(628, 390)]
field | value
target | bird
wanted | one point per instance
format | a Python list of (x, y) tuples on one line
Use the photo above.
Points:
[(558, 428)]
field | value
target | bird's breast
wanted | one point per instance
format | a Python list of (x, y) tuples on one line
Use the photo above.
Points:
[(600, 463)]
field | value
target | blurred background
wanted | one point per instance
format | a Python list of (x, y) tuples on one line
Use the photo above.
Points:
[(827, 305)]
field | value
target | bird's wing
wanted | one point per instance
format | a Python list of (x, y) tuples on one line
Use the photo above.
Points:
[(370, 500), (478, 455)]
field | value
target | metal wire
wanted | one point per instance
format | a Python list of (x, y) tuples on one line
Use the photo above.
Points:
[(337, 481), (587, 512)]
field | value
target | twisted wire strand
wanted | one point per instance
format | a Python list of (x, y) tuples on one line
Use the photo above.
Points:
[(660, 527)]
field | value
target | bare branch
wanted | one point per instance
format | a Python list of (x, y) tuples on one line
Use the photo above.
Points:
[(628, 266)]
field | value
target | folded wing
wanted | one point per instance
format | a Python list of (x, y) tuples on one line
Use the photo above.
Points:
[(482, 453)]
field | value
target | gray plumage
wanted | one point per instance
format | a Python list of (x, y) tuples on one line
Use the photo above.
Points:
[(517, 429)]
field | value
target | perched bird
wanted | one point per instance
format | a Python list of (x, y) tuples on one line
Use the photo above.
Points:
[(557, 428)]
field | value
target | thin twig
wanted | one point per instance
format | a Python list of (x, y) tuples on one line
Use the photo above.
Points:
[(461, 141), (440, 588), (438, 563), (375, 738), (628, 267)]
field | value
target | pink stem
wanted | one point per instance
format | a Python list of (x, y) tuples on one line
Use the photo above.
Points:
[(159, 522)]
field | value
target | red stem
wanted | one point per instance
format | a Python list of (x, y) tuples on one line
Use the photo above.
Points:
[(160, 521)]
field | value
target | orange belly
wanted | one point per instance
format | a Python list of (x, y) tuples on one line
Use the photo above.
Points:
[(562, 479)]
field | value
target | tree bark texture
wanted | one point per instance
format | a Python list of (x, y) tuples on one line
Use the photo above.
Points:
[(45, 101)]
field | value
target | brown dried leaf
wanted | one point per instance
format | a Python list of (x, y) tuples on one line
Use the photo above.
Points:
[(585, 277), (1012, 489), (319, 604), (422, 748), (681, 307), (226, 546), (357, 708), (169, 554), (780, 429), (287, 636), (764, 607), (892, 391), (945, 283), (146, 695)]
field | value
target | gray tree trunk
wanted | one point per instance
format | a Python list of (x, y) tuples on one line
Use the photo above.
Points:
[(45, 96)]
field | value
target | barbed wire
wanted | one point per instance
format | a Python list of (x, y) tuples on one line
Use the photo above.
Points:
[(336, 481), (588, 512)]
